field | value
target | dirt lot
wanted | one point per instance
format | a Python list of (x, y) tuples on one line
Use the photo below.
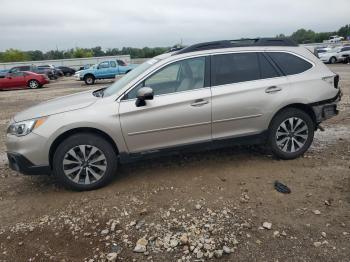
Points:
[(197, 207)]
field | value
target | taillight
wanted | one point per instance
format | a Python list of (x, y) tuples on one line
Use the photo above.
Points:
[(332, 80), (336, 81)]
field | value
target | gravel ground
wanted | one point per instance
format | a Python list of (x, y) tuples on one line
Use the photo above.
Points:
[(205, 206)]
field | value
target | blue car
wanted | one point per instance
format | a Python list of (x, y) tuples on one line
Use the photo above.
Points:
[(104, 70)]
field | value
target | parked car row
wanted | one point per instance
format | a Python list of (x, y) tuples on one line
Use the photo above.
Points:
[(335, 55)]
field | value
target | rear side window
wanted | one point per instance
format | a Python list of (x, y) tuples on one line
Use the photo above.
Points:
[(234, 68), (289, 64)]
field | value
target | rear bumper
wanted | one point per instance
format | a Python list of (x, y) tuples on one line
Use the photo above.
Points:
[(326, 109), (21, 164)]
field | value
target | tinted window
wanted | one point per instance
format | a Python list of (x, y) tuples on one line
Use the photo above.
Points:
[(121, 63), (104, 65), (16, 74), (179, 76), (345, 49), (289, 64), (113, 64), (234, 68), (266, 68)]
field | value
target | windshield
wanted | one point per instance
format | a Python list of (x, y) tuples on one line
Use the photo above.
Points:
[(126, 79)]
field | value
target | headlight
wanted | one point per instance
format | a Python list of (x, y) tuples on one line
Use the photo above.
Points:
[(25, 127)]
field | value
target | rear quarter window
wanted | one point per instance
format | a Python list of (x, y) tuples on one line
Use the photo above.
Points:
[(289, 64)]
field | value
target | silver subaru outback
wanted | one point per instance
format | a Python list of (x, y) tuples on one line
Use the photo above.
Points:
[(206, 95)]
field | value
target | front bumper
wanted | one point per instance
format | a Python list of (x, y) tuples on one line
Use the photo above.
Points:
[(21, 164), (77, 77)]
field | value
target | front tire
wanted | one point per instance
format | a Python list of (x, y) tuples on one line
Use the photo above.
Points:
[(84, 162), (291, 133), (89, 80), (33, 84)]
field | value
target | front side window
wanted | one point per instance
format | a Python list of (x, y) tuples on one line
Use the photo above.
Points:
[(177, 77), (113, 64), (103, 65), (289, 64), (17, 74), (234, 68)]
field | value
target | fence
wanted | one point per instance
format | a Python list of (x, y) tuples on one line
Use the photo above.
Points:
[(74, 62)]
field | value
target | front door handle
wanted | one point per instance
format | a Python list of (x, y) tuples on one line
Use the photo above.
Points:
[(199, 102), (272, 89)]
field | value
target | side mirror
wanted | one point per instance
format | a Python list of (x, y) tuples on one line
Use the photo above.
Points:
[(8, 75), (143, 94)]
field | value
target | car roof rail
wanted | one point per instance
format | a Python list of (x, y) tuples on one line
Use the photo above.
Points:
[(237, 43)]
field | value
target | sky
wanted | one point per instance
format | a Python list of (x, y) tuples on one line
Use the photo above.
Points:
[(50, 24)]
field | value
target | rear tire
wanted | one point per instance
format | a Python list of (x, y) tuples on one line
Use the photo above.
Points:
[(291, 133), (332, 60), (89, 80), (84, 162), (33, 84)]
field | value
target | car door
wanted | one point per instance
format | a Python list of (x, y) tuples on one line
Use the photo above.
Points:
[(245, 86), (14, 80), (103, 70), (179, 114), (113, 69)]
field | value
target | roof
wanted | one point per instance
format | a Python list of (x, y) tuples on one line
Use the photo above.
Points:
[(236, 43)]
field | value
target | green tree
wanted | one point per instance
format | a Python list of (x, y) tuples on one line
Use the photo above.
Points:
[(82, 52), (344, 31), (303, 36), (14, 55)]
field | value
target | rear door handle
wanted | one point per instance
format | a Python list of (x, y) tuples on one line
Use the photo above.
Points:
[(200, 102), (272, 89)]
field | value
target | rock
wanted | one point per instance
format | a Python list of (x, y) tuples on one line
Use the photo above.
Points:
[(317, 244), (199, 254), (141, 245), (226, 249), (113, 226), (276, 233), (284, 233), (267, 225), (112, 257), (104, 232), (198, 206), (246, 225), (317, 212), (173, 243), (184, 239), (324, 234), (218, 253), (140, 224)]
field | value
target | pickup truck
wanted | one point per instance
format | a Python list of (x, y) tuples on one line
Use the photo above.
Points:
[(103, 70)]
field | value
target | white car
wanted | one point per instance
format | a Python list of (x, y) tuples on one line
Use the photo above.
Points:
[(336, 55)]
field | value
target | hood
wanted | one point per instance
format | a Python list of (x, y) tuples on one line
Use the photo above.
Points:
[(58, 105)]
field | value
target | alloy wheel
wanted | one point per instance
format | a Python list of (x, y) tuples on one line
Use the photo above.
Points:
[(33, 84), (84, 164), (292, 135)]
